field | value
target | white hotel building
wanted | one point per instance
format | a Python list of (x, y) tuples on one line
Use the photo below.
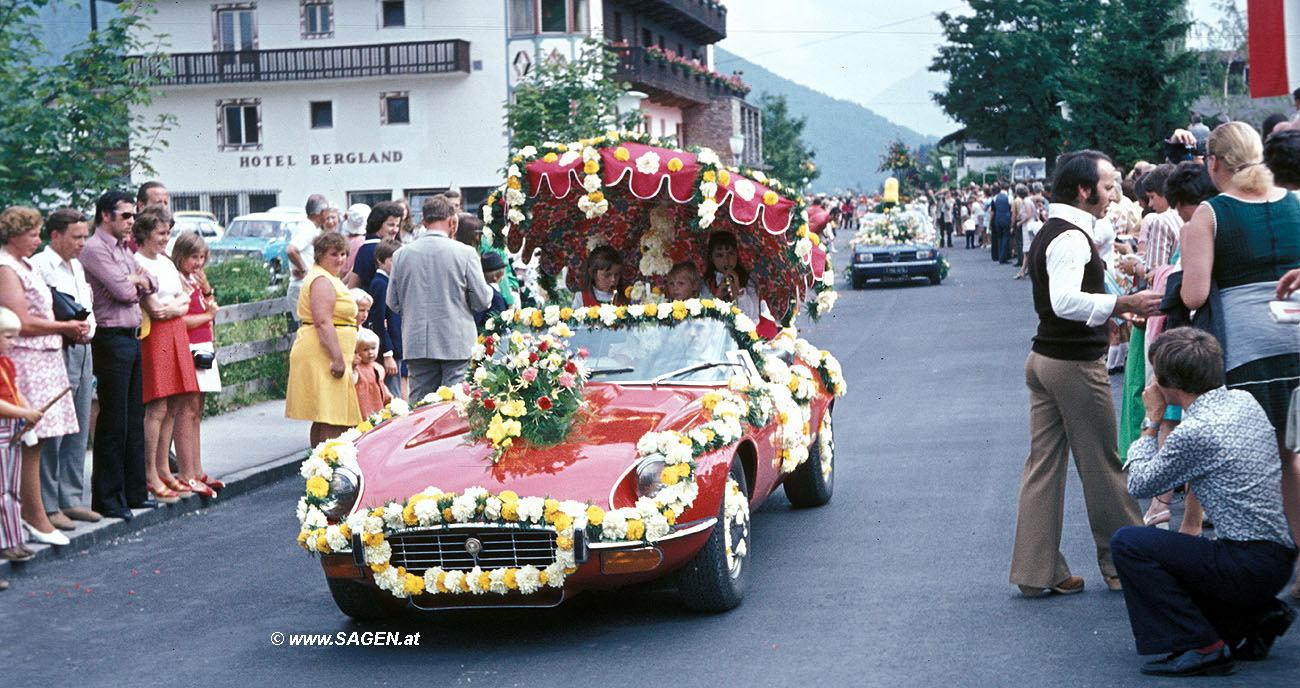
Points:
[(369, 100)]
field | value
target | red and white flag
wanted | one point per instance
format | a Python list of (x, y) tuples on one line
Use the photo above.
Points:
[(1274, 27)]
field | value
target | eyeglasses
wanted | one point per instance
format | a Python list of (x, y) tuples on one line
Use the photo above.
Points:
[(124, 214)]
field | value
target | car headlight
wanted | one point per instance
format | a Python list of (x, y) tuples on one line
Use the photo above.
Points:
[(924, 254), (862, 258), (648, 473), (344, 488)]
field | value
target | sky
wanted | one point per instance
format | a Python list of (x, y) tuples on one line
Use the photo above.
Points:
[(874, 52)]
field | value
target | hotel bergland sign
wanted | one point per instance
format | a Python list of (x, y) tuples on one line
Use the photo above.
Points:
[(315, 159)]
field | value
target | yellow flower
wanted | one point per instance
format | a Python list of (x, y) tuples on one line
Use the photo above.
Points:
[(635, 529), (538, 320), (668, 476), (372, 539), (445, 393), (511, 579), (510, 511), (735, 310), (593, 314), (550, 157), (679, 310), (710, 400), (442, 582), (302, 537), (563, 542), (816, 240), (591, 166), (464, 584), (408, 514), (620, 312), (317, 486), (595, 515), (770, 198), (345, 531), (724, 177), (513, 182), (708, 303), (484, 580), (709, 435), (379, 567), (413, 584), (365, 426), (566, 313), (513, 408), (675, 165), (542, 577), (670, 516), (709, 176), (550, 508), (328, 454), (651, 310), (508, 496), (569, 571), (621, 154), (794, 384), (563, 521), (563, 149), (595, 196)]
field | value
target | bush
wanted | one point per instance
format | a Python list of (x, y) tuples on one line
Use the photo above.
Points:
[(241, 281)]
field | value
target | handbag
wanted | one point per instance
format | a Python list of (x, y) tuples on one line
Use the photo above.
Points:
[(66, 308)]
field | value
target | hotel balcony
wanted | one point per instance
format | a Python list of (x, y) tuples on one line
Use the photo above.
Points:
[(667, 82), (301, 64), (702, 20)]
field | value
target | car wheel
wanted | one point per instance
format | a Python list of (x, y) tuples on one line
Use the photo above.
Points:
[(715, 579), (361, 601), (934, 278), (813, 482)]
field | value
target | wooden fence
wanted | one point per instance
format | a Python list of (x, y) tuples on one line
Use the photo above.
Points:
[(244, 351)]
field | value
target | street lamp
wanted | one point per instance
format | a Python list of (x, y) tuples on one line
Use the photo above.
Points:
[(737, 142), (1065, 109), (630, 101)]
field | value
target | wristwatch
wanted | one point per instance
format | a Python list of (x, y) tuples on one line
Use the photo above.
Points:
[(1148, 424)]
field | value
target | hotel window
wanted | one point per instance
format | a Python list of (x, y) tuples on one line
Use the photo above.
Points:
[(395, 107), (239, 124), (185, 202), (549, 16), (392, 13), (225, 207), (261, 202), (322, 114), (235, 28), (317, 18), (370, 198)]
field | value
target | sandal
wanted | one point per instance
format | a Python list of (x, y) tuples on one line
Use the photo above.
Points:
[(214, 484), (165, 495), (200, 488), (13, 554), (177, 486)]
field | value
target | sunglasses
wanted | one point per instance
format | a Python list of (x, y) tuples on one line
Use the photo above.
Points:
[(125, 215)]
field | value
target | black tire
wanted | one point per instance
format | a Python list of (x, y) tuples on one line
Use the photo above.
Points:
[(812, 483), (714, 580), (935, 279), (360, 601), (859, 281)]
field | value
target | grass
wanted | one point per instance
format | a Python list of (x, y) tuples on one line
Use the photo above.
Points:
[(242, 281)]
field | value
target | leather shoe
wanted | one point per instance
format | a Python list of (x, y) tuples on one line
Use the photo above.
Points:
[(124, 514), (1193, 663), (1113, 583), (1069, 586), (54, 537), (60, 521), (81, 513), (1256, 645), (145, 503)]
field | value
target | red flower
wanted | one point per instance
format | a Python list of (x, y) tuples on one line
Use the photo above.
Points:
[(582, 351), (571, 367), (489, 348), (543, 403), (489, 403), (532, 356), (543, 347)]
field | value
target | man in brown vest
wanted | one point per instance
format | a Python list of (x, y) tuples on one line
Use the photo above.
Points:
[(1070, 405)]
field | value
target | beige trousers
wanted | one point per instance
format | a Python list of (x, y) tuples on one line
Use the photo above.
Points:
[(1070, 411)]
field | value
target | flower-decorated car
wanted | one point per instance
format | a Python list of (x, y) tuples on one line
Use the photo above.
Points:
[(601, 446), (896, 245)]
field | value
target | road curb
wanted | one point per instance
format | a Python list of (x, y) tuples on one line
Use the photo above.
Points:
[(237, 483)]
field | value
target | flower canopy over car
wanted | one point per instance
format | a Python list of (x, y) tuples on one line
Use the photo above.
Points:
[(657, 206)]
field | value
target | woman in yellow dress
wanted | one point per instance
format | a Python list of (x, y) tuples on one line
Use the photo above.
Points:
[(320, 363)]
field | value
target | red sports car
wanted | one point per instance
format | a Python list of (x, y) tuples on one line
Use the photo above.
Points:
[(588, 449)]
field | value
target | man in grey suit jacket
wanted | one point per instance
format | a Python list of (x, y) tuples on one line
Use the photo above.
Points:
[(436, 285)]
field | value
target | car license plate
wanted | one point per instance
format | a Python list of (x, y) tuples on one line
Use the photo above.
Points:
[(895, 270)]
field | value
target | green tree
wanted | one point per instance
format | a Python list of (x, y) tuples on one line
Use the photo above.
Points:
[(1132, 84), (784, 151), (568, 100), (71, 128)]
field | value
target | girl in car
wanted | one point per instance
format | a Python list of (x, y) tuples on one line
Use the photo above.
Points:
[(600, 279), (727, 279)]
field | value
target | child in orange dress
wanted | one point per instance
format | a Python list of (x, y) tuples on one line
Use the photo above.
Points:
[(13, 407), (368, 376)]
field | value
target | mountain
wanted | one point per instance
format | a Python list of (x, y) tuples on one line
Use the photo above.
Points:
[(908, 100), (848, 139)]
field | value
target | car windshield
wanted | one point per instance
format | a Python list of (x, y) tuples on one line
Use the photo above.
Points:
[(256, 229), (645, 351)]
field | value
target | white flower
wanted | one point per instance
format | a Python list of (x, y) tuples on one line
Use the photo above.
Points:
[(527, 580), (427, 512), (487, 213), (452, 580), (515, 217), (315, 466), (492, 508), (498, 581), (637, 310), (527, 152), (513, 171), (301, 510), (388, 580), (707, 156), (475, 580), (551, 315), (776, 371), (515, 197), (648, 163), (555, 575), (569, 156), (335, 538), (393, 517), (399, 407), (708, 189), (315, 518), (349, 436), (531, 509), (591, 183), (357, 522), (826, 301), (608, 314), (694, 306), (803, 247), (614, 527), (807, 352), (431, 579), (759, 176), (589, 153), (828, 277), (463, 508), (595, 241), (656, 527), (378, 554), (744, 323), (745, 188)]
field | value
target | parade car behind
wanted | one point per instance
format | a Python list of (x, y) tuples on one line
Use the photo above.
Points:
[(902, 259), (544, 523), (260, 237)]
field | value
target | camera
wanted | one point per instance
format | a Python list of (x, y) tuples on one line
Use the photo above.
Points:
[(203, 359), (1177, 151)]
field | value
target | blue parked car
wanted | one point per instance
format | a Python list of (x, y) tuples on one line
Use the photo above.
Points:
[(897, 245), (261, 238)]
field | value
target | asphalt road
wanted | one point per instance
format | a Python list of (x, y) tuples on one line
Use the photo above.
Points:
[(900, 581)]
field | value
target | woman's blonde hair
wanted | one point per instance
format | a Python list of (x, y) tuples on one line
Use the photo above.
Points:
[(17, 220), (1238, 147)]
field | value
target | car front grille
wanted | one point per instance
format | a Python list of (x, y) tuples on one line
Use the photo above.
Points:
[(421, 550)]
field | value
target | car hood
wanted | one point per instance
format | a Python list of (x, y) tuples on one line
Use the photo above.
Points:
[(239, 244), (892, 248), (431, 447)]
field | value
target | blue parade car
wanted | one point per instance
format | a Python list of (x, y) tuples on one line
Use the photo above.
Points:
[(895, 247), (259, 237)]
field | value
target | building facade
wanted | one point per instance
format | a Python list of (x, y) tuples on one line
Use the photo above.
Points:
[(370, 100)]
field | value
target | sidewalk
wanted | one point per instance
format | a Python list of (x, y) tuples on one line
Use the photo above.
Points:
[(246, 449)]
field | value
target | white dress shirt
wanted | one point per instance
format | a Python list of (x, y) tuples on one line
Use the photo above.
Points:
[(68, 277), (1066, 257)]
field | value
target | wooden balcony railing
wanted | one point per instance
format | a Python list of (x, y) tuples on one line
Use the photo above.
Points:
[(300, 64), (703, 20), (667, 80)]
